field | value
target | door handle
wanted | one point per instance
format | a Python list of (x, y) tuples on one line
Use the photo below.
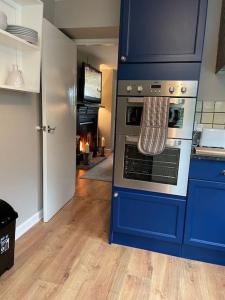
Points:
[(51, 130), (41, 128), (223, 173)]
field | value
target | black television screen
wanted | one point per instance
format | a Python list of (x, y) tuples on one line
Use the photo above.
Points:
[(92, 84)]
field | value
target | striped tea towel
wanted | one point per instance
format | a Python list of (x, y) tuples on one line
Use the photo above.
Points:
[(154, 125)]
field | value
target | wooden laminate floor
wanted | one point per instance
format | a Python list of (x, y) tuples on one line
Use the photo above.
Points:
[(70, 258)]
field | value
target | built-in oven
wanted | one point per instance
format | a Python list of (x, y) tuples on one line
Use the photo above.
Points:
[(167, 172), (164, 173), (181, 116)]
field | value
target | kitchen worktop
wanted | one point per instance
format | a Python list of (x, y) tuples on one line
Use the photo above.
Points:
[(207, 157)]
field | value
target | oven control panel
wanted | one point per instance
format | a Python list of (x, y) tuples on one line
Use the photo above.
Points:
[(165, 88)]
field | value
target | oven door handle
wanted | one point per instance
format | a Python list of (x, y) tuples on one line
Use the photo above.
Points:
[(132, 139), (173, 143), (135, 100), (170, 143)]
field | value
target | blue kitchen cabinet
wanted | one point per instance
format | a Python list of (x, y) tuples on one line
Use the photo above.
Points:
[(204, 237), (162, 31), (205, 222), (147, 220)]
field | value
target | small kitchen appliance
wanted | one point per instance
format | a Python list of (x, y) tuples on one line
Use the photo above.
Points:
[(213, 138)]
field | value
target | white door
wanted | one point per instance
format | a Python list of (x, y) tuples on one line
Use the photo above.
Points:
[(59, 119)]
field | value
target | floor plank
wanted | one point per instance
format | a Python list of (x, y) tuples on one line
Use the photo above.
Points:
[(70, 258)]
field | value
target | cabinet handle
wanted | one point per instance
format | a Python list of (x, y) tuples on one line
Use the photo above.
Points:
[(223, 172), (123, 58), (116, 195)]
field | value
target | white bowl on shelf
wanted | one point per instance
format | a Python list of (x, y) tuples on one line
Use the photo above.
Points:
[(3, 20)]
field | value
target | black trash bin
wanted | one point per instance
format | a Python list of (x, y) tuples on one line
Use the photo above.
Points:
[(8, 218)]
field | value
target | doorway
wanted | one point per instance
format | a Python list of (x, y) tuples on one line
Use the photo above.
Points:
[(96, 119)]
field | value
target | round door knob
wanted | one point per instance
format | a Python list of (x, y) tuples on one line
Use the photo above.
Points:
[(129, 88), (183, 90), (172, 89), (140, 89), (123, 58)]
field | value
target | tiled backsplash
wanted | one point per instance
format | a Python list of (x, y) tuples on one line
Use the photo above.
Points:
[(211, 114)]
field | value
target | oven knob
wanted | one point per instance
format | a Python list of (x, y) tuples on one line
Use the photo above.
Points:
[(140, 89), (129, 88), (183, 90), (172, 89)]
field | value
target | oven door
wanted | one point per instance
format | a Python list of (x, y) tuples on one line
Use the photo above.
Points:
[(165, 173), (181, 116)]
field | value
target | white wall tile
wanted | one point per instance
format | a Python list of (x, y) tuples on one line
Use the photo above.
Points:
[(219, 118), (207, 125), (207, 118), (208, 106), (218, 126), (220, 106)]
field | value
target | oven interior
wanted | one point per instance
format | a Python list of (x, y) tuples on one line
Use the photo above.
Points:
[(161, 168)]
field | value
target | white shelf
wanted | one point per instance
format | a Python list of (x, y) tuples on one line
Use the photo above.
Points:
[(10, 40), (22, 89), (16, 51)]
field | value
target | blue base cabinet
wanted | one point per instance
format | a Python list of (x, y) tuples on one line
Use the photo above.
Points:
[(162, 31), (205, 221), (204, 237), (147, 220)]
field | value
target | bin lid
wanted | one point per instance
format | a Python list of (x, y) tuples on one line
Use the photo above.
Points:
[(7, 214)]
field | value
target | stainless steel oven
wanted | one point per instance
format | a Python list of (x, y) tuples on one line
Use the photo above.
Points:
[(165, 173)]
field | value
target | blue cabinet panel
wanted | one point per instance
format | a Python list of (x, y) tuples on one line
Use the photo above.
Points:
[(162, 31), (207, 170), (205, 221), (149, 216), (159, 71)]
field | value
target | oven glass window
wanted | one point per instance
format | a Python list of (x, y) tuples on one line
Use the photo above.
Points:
[(176, 115), (134, 114), (161, 168)]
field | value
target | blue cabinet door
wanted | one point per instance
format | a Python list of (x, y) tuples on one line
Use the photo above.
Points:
[(205, 220), (148, 215), (162, 31), (208, 170)]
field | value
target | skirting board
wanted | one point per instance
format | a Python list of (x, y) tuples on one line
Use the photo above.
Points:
[(27, 225)]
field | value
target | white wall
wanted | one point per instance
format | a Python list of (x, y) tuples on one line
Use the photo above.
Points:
[(20, 148), (105, 114), (20, 156), (49, 10), (87, 13), (212, 86), (87, 57)]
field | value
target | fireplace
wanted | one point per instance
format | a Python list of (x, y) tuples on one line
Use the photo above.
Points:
[(87, 131)]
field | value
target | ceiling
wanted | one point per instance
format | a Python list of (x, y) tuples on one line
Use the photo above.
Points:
[(92, 33)]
